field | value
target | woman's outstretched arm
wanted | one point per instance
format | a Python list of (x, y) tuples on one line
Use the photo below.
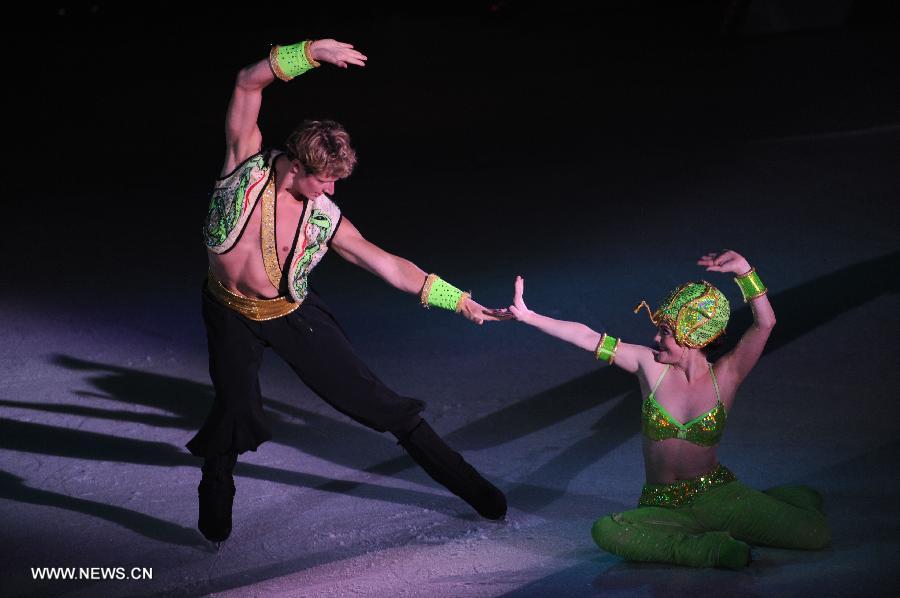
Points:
[(627, 356)]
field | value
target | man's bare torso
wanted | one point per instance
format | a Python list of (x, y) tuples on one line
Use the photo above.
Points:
[(241, 269)]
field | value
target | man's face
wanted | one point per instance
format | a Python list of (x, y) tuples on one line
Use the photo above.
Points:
[(311, 186)]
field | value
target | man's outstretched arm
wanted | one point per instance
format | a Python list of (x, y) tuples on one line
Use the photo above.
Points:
[(395, 270), (242, 134)]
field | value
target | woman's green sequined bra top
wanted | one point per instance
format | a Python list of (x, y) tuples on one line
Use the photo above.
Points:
[(703, 430)]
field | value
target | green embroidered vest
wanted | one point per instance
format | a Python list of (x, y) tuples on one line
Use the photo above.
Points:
[(235, 196)]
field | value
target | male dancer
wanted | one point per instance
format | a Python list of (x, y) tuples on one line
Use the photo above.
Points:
[(270, 221)]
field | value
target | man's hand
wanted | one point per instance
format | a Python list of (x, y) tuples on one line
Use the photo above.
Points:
[(727, 261), (477, 313), (336, 53)]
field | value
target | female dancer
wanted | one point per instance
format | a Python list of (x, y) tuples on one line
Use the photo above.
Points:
[(692, 510)]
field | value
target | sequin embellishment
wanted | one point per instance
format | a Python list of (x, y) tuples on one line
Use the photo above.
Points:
[(683, 492), (267, 234), (704, 430)]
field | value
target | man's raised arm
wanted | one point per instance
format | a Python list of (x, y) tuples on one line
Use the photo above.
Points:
[(242, 134)]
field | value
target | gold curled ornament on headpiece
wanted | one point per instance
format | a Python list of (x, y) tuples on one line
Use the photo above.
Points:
[(697, 312)]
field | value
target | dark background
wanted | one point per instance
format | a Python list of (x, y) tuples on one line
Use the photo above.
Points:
[(118, 109), (602, 113)]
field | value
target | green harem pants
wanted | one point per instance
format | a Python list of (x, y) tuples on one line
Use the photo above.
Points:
[(714, 528)]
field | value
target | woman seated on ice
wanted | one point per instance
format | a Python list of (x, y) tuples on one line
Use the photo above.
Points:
[(692, 510)]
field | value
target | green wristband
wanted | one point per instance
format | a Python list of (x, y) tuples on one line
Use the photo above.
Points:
[(291, 61), (751, 286), (606, 348), (439, 293)]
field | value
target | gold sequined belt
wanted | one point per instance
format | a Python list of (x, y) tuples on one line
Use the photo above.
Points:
[(683, 492), (254, 309)]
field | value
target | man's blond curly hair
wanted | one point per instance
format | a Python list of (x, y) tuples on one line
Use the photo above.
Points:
[(323, 148)]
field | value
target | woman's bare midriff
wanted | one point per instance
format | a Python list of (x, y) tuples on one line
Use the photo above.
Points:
[(666, 461)]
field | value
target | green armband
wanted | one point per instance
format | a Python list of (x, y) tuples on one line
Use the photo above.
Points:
[(439, 293), (751, 286), (291, 61), (606, 348)]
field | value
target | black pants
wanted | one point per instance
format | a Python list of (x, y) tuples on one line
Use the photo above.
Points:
[(310, 340)]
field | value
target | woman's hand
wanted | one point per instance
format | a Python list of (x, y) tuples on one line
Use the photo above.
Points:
[(518, 309), (727, 261), (336, 53)]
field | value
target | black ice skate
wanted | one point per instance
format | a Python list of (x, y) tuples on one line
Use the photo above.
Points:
[(216, 495)]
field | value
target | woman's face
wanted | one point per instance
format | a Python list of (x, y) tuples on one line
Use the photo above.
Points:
[(666, 349)]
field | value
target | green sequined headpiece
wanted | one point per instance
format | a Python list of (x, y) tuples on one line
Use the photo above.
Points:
[(697, 312)]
